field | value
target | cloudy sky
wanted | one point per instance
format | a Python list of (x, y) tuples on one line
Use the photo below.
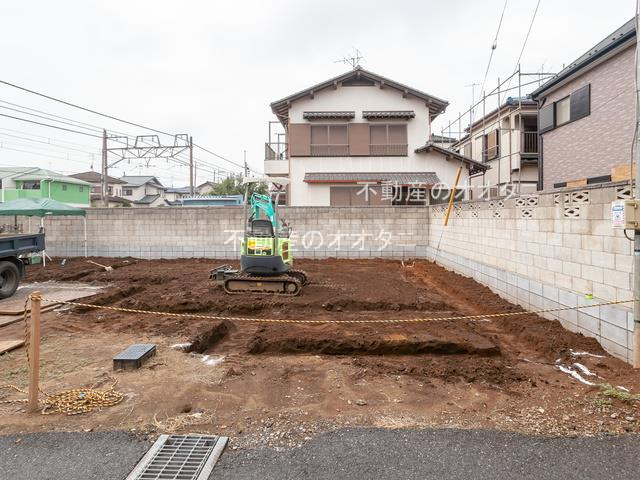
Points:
[(211, 68)]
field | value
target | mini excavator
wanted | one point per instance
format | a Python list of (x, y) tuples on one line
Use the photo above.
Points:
[(266, 256)]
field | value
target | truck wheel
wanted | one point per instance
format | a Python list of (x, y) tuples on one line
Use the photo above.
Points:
[(9, 279)]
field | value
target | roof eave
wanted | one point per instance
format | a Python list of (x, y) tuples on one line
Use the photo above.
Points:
[(444, 151), (281, 107)]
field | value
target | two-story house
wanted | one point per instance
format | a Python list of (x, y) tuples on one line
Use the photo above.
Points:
[(143, 191), (587, 115), (34, 182), (362, 139), (506, 140), (114, 189)]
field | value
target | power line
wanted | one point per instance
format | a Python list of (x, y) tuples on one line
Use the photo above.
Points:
[(49, 125), (84, 162), (524, 44), (47, 137), (95, 112), (48, 143), (494, 45), (50, 116)]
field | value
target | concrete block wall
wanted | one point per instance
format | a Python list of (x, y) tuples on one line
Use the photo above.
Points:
[(539, 251), (547, 251), (318, 232)]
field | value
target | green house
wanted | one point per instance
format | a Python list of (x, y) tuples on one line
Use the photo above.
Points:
[(33, 182)]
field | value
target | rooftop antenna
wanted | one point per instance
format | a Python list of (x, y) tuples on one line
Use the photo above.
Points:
[(473, 96), (353, 60)]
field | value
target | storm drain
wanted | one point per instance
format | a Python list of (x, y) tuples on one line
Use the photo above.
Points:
[(180, 457)]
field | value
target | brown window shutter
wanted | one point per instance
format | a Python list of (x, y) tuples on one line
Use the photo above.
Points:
[(299, 135), (359, 139)]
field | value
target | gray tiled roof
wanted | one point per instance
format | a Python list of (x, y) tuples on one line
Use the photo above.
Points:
[(389, 114), (95, 177), (147, 199), (401, 178), (137, 181), (322, 115)]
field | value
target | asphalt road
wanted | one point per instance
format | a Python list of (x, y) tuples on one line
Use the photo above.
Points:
[(346, 454)]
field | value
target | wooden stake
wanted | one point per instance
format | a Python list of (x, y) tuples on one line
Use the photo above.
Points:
[(452, 196), (34, 351)]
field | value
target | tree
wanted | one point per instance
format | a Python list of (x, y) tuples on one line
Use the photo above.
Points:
[(232, 185)]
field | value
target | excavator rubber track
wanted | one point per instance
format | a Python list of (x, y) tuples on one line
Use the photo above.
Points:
[(280, 285), (301, 275)]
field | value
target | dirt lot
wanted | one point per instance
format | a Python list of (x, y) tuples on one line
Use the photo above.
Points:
[(281, 383)]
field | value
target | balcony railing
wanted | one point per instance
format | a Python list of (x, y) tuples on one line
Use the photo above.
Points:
[(275, 151), (391, 150), (529, 142), (329, 150)]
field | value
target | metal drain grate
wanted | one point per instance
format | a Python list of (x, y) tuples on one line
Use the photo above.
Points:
[(180, 457)]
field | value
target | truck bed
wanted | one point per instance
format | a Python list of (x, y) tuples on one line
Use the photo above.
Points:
[(17, 244)]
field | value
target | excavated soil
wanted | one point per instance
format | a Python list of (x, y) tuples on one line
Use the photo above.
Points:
[(251, 379)]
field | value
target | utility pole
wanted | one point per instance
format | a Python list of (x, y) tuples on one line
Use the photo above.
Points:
[(104, 191), (191, 165), (636, 236)]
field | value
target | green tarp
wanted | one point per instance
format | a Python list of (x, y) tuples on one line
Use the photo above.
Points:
[(39, 207)]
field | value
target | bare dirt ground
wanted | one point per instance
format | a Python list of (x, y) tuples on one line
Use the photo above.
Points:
[(279, 384)]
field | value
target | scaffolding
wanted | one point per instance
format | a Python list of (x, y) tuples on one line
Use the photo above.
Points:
[(491, 106)]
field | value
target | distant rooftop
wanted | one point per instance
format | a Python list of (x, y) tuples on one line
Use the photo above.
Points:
[(138, 181), (31, 174), (94, 177)]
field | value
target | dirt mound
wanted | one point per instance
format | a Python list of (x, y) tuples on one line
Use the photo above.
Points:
[(452, 369), (331, 340)]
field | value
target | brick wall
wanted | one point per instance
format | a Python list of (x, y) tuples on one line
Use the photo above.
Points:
[(589, 147)]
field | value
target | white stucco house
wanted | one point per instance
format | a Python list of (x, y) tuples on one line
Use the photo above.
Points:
[(143, 191), (362, 139), (506, 140)]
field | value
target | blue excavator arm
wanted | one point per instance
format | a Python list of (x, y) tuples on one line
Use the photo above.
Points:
[(263, 203)]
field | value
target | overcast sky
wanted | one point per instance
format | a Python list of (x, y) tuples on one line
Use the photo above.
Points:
[(211, 68)]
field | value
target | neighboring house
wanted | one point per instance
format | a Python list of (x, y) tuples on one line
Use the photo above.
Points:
[(206, 188), (361, 139), (143, 191), (506, 140), (444, 142), (33, 182), (172, 194), (114, 189), (208, 201), (587, 115)]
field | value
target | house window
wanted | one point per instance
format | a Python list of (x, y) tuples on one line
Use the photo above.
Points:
[(329, 140), (545, 118), (35, 185), (127, 192), (64, 187), (562, 111), (491, 145), (568, 109), (466, 151), (82, 188), (580, 103), (388, 140)]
